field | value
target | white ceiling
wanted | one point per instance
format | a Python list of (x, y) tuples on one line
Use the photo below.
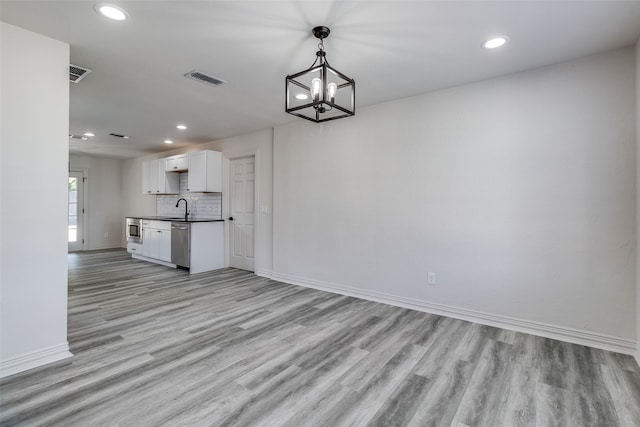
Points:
[(393, 49)]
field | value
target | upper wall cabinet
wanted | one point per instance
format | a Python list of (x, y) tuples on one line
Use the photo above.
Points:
[(204, 167), (179, 163), (155, 179), (205, 172)]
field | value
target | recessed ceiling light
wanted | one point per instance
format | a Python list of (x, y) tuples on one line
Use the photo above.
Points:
[(88, 134), (495, 42), (126, 137), (168, 141), (181, 127), (84, 138), (302, 96), (111, 11)]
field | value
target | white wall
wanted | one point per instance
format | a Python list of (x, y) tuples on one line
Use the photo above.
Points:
[(519, 192), (104, 222), (33, 224)]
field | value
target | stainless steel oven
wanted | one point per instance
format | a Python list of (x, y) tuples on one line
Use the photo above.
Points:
[(134, 230)]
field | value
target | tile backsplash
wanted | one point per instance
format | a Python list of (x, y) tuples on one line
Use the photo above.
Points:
[(201, 205)]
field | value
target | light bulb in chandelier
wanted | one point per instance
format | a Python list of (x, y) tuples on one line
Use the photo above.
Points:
[(332, 88), (316, 88)]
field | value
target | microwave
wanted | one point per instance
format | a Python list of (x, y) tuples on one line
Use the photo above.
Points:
[(134, 230)]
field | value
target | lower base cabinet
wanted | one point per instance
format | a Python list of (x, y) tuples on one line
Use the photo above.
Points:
[(156, 240), (207, 245)]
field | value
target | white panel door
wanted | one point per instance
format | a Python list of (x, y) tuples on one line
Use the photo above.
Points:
[(242, 213)]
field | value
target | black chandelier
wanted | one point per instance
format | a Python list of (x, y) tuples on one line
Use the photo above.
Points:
[(320, 92)]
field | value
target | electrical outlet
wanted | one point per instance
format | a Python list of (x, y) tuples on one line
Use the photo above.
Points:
[(431, 278)]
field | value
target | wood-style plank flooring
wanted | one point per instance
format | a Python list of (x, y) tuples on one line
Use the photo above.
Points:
[(154, 346)]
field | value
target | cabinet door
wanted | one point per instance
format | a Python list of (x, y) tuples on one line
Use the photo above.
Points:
[(154, 243), (214, 171), (164, 246), (205, 172), (154, 185), (182, 162), (148, 181), (197, 179), (146, 241), (161, 177), (177, 163), (167, 183), (171, 164)]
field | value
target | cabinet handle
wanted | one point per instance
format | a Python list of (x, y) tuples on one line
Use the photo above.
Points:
[(175, 167)]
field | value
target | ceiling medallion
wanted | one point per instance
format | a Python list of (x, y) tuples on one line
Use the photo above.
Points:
[(320, 93)]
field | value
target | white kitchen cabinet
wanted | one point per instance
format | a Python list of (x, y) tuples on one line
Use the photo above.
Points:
[(207, 246), (205, 172), (149, 180), (155, 179), (156, 240), (134, 248), (179, 163)]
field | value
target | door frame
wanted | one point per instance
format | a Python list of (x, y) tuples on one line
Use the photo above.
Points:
[(85, 210), (226, 201), (229, 223)]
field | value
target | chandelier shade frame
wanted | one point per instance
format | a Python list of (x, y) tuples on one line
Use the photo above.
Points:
[(320, 93)]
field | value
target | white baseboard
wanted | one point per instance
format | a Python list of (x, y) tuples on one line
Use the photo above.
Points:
[(575, 336), (153, 260), (34, 359), (263, 273)]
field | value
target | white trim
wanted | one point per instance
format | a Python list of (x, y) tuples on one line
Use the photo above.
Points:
[(575, 336), (263, 273), (637, 355), (34, 359), (153, 260), (228, 157)]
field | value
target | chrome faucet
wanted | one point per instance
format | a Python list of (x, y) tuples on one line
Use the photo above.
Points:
[(186, 212)]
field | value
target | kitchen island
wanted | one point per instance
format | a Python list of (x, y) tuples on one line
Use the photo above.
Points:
[(196, 244)]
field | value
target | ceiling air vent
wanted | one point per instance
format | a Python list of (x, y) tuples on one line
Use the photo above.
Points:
[(119, 135), (204, 78), (77, 73)]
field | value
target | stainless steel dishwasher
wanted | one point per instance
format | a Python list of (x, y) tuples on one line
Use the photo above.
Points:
[(181, 244)]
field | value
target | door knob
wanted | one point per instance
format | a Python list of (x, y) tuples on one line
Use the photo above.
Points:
[(230, 218)]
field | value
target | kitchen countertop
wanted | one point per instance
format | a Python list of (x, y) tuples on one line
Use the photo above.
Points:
[(164, 218)]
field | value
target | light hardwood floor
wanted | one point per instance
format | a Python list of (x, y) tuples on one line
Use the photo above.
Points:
[(154, 346)]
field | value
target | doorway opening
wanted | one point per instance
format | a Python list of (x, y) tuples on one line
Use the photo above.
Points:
[(76, 211)]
